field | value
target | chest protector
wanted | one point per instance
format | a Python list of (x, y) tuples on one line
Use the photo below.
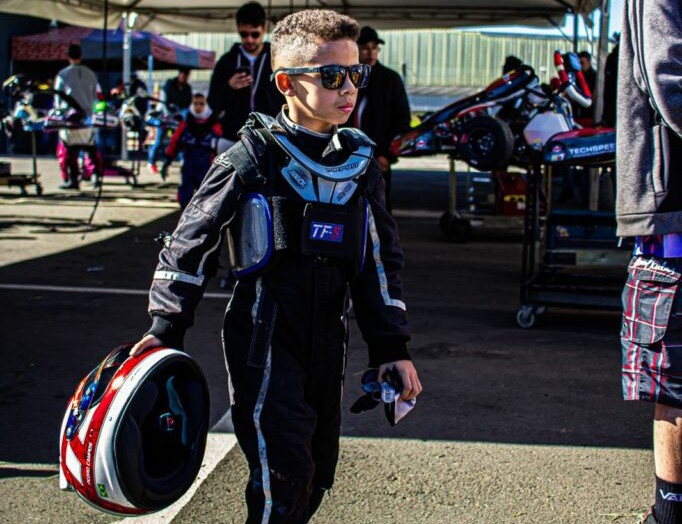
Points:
[(326, 218)]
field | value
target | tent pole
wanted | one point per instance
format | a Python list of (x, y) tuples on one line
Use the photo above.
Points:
[(602, 52), (576, 29), (150, 78), (126, 76)]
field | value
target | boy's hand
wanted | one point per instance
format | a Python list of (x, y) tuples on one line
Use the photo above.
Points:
[(408, 374), (148, 342)]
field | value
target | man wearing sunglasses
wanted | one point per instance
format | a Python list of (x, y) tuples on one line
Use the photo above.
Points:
[(382, 110), (241, 79)]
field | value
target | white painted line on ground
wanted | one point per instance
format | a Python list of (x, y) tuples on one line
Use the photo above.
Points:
[(88, 203), (217, 446), (416, 213), (22, 466), (99, 290)]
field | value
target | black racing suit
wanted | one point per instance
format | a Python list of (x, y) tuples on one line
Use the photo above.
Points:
[(285, 332)]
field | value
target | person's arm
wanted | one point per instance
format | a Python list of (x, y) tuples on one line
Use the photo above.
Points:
[(99, 95), (174, 146), (401, 116), (190, 257), (163, 96), (377, 292), (58, 86), (219, 90), (662, 60)]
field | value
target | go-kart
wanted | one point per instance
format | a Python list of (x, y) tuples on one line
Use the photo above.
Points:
[(515, 121)]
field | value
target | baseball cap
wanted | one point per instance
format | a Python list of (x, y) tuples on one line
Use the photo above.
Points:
[(368, 34)]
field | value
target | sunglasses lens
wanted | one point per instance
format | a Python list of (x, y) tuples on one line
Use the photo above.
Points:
[(332, 76), (358, 75), (246, 34)]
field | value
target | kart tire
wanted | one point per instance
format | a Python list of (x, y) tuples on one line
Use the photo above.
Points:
[(486, 143)]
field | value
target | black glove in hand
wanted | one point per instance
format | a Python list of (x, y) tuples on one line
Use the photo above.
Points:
[(387, 392)]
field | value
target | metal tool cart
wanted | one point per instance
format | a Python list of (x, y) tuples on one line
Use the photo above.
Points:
[(22, 180), (570, 257), (483, 200)]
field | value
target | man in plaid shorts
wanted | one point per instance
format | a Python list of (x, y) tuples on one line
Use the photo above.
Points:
[(649, 208)]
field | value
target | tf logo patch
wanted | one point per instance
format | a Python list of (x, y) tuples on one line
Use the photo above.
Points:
[(326, 232)]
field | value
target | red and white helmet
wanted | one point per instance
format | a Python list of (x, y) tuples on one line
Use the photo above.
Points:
[(135, 430)]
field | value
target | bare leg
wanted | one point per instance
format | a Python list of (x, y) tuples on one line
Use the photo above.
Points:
[(668, 443)]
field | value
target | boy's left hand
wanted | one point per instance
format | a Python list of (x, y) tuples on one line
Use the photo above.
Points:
[(408, 374)]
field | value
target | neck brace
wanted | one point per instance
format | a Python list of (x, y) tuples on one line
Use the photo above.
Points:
[(335, 183), (203, 115), (362, 149)]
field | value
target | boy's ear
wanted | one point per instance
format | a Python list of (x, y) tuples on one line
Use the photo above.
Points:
[(284, 84)]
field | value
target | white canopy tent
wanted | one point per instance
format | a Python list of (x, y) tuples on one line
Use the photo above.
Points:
[(166, 16), (179, 16)]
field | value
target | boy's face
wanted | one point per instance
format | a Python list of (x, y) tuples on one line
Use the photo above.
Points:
[(198, 105), (314, 106)]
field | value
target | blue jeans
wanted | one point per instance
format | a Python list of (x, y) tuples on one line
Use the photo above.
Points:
[(158, 142)]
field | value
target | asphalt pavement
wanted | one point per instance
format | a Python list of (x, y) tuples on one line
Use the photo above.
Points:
[(514, 425)]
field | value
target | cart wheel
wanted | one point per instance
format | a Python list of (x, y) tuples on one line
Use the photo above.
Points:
[(458, 230), (39, 189), (526, 317)]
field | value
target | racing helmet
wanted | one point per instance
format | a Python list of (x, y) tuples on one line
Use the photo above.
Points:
[(134, 433)]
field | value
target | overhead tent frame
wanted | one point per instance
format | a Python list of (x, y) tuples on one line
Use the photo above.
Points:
[(166, 16)]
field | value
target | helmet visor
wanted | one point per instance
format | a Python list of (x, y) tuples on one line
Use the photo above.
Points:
[(93, 387)]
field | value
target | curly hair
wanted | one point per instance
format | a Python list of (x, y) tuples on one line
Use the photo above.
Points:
[(297, 37)]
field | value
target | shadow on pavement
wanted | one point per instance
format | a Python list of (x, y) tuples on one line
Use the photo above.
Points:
[(57, 224), (485, 379)]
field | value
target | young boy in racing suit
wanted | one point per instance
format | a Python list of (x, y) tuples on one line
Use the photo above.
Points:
[(304, 206), (197, 138)]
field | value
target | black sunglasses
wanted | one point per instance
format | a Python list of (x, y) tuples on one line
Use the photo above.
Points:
[(252, 34), (333, 76)]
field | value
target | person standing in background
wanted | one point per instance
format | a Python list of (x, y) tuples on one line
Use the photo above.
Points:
[(382, 110), (80, 83), (611, 85), (590, 75), (240, 83), (197, 138), (176, 92), (649, 208)]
